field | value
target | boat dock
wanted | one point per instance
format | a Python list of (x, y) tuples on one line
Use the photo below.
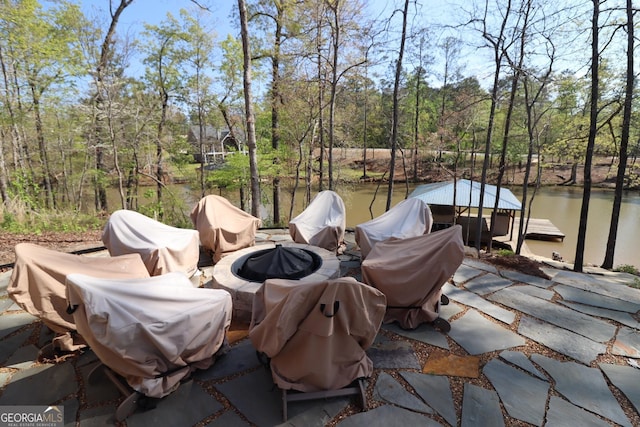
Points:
[(540, 229)]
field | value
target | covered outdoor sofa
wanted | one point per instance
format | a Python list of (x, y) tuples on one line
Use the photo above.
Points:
[(222, 226), (151, 332), (409, 218), (315, 335), (38, 286), (322, 223), (163, 248), (411, 272)]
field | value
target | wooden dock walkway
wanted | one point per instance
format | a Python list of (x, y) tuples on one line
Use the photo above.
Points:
[(540, 229)]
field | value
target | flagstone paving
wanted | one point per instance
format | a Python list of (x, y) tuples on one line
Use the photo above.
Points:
[(488, 370)]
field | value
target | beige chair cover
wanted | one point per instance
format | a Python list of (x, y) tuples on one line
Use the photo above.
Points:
[(154, 331), (411, 273), (409, 218), (222, 226), (313, 344), (37, 285), (163, 248), (322, 223)]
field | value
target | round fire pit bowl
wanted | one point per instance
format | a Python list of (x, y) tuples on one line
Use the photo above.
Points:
[(226, 274)]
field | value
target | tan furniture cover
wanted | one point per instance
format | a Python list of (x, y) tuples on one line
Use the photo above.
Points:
[(322, 223), (316, 334), (411, 273), (163, 248), (409, 218), (222, 226), (153, 332), (37, 284)]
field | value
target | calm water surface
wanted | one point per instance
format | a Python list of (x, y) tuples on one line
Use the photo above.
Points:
[(560, 205)]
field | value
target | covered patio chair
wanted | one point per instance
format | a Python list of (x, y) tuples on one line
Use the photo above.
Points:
[(322, 223), (37, 285), (163, 248), (222, 226), (315, 335), (411, 217), (411, 272), (152, 332)]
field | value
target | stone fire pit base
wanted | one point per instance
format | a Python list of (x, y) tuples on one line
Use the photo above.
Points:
[(242, 291)]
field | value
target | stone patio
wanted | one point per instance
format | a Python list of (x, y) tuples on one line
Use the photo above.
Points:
[(585, 324)]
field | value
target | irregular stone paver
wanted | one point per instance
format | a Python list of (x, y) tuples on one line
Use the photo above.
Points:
[(5, 303), (423, 333), (627, 343), (23, 358), (436, 391), (5, 277), (522, 361), (478, 335), (239, 358), (260, 401), (587, 326), (480, 407), (97, 417), (12, 322), (44, 384), (387, 415), (391, 391), (71, 407), (228, 419), (487, 284), (561, 340), (255, 396), (465, 273), (569, 293), (388, 354), (516, 276), (534, 291), (170, 410), (475, 301), (452, 365), (515, 387), (450, 310), (598, 284), (584, 387), (8, 346), (618, 316), (472, 262), (564, 414), (627, 379), (97, 387)]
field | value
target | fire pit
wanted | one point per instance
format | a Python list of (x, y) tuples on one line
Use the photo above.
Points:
[(243, 272)]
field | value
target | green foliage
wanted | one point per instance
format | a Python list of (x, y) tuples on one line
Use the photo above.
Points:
[(627, 268), (505, 252)]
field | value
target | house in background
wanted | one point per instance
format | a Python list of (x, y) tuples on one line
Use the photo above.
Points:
[(217, 143)]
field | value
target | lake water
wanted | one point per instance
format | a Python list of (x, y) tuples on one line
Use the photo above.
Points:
[(560, 205)]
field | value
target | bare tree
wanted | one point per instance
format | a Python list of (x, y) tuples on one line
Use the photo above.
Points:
[(249, 115), (593, 130), (106, 54), (395, 111), (624, 141)]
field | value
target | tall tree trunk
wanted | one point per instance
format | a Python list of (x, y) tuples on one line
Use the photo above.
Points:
[(624, 143), (276, 101), (44, 158), (593, 128), (396, 107), (106, 52), (249, 115), (498, 52), (335, 39)]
